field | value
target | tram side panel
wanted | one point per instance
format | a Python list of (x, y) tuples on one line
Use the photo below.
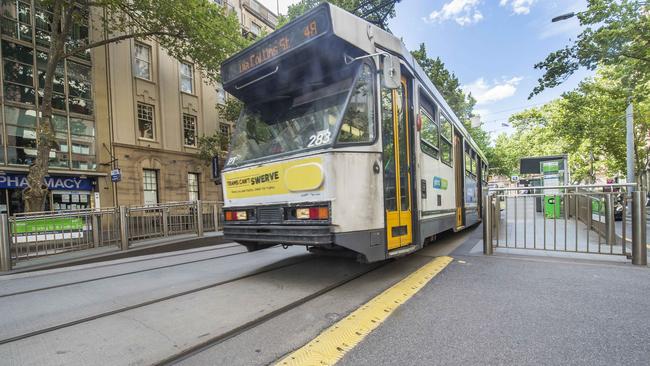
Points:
[(436, 193), (358, 207)]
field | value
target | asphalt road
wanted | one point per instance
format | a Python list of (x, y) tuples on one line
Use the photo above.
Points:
[(507, 310)]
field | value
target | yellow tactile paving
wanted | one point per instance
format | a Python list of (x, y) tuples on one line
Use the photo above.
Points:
[(330, 346)]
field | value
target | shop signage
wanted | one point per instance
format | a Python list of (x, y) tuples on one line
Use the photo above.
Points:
[(116, 175), (19, 181)]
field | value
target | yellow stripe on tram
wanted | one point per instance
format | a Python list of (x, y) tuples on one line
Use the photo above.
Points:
[(332, 344)]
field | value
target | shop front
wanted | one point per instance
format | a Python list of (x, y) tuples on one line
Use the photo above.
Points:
[(66, 192)]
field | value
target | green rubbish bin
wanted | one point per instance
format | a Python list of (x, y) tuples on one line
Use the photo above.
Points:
[(552, 206)]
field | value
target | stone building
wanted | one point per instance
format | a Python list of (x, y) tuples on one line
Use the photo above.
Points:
[(129, 106)]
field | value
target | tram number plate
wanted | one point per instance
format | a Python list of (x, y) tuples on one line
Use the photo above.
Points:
[(320, 138)]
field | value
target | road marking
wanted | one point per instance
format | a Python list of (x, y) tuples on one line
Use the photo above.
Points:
[(333, 343)]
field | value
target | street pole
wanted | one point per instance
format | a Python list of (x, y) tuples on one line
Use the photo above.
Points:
[(629, 117)]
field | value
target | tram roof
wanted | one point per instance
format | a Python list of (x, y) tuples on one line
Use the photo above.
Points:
[(331, 21)]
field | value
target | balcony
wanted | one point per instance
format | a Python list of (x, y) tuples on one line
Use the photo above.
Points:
[(261, 12)]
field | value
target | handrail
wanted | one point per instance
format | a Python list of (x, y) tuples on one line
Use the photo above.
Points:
[(617, 185)]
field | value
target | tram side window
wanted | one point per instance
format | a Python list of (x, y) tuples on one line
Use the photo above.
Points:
[(474, 165), (429, 135), (445, 140), (468, 161), (358, 124)]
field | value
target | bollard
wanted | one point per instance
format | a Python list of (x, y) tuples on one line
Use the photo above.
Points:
[(199, 219), (609, 219), (96, 230), (165, 221), (487, 225), (5, 242), (124, 228), (639, 249), (215, 213)]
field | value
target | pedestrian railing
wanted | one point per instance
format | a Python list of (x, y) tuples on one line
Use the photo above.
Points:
[(33, 235), (581, 219)]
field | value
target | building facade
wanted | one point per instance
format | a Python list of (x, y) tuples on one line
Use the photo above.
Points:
[(127, 105)]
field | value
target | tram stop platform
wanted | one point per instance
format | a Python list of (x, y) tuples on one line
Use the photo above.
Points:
[(519, 310)]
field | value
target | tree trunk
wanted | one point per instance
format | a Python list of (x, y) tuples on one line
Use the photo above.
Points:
[(35, 194)]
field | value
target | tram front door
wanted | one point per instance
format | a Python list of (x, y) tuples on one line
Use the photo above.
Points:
[(397, 181)]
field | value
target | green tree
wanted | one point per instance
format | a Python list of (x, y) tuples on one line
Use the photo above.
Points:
[(616, 32), (375, 11), (198, 30)]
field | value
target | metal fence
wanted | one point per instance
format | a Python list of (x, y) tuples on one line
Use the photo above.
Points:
[(34, 235), (580, 219)]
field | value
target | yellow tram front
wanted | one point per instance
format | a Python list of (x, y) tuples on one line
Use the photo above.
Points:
[(305, 161)]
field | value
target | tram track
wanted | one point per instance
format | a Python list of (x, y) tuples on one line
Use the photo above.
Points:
[(130, 272), (149, 302), (197, 349)]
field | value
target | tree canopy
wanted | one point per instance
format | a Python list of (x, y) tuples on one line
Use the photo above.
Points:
[(375, 11), (616, 33), (588, 123)]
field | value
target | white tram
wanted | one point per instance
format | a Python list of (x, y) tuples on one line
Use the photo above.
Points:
[(343, 143)]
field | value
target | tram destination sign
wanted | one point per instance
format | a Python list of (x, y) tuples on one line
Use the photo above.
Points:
[(277, 44)]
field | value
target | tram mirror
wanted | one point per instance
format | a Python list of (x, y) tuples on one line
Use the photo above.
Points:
[(391, 71)]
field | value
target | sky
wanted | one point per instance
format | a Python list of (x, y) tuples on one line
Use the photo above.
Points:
[(491, 46)]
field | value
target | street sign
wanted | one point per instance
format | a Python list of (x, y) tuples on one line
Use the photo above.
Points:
[(116, 175)]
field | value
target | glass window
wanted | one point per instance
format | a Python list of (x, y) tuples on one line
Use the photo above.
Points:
[(146, 121), (358, 122), (42, 21), (142, 65), (446, 131), (402, 137), (150, 186), (80, 88), (59, 153), (445, 152), (468, 163), (429, 134), (59, 74), (255, 29), (303, 118), (187, 78), (445, 128), (224, 128), (189, 130), (17, 19), (84, 151), (388, 138), (21, 135), (79, 33), (193, 186), (17, 64)]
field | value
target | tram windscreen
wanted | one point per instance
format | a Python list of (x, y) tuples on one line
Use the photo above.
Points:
[(303, 118)]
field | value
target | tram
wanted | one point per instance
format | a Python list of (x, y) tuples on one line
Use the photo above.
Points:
[(343, 144)]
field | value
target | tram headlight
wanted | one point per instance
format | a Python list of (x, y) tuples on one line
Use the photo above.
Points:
[(302, 213), (241, 215)]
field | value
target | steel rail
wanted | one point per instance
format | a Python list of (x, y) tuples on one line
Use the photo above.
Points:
[(144, 303), (197, 349), (132, 272)]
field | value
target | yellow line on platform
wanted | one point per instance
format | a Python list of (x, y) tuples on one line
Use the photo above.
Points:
[(330, 346)]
